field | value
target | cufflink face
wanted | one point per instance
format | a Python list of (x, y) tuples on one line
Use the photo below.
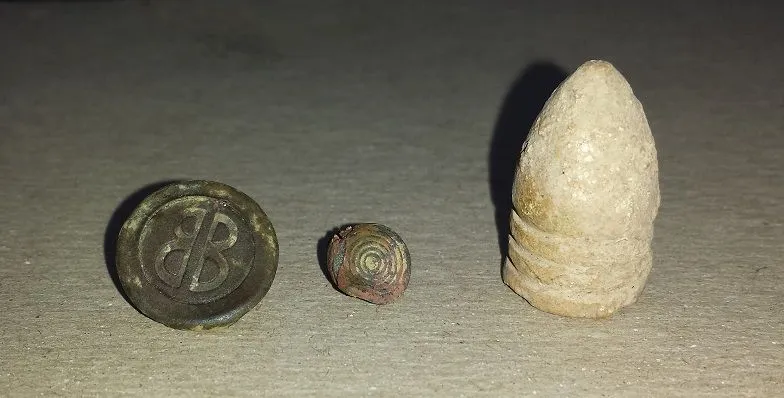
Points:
[(370, 262)]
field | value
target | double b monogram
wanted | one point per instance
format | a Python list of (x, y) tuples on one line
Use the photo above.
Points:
[(197, 247)]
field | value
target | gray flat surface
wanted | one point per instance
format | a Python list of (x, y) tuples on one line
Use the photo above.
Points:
[(330, 112)]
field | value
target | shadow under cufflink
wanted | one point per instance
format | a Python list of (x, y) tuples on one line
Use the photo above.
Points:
[(115, 224), (322, 249), (522, 104)]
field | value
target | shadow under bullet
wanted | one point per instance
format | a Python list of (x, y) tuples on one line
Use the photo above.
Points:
[(521, 106)]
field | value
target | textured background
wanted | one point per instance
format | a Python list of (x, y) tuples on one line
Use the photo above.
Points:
[(408, 113)]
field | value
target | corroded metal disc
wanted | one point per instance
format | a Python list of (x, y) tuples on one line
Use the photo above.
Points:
[(370, 262), (197, 255)]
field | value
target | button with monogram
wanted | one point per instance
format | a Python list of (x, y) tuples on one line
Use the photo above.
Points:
[(197, 255)]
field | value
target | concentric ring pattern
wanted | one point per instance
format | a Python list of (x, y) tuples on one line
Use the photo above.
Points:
[(370, 262)]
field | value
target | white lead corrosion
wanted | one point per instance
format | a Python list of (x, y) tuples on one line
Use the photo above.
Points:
[(585, 196)]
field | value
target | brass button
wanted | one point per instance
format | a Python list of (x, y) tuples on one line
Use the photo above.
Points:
[(197, 255)]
